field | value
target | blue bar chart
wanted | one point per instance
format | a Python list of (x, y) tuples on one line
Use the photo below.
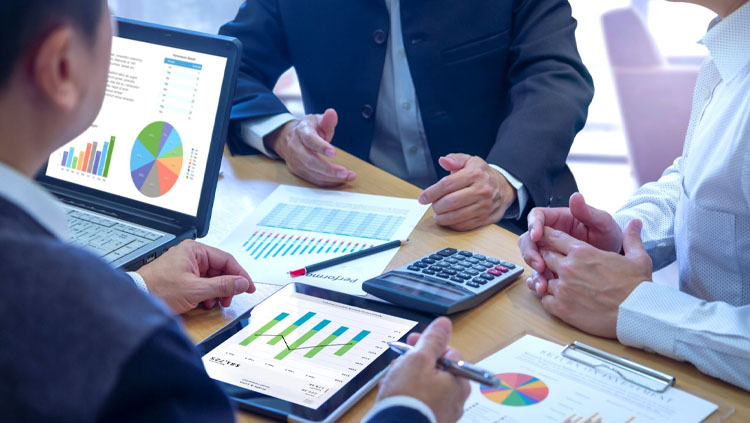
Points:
[(264, 245)]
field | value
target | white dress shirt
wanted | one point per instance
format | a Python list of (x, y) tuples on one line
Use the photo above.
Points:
[(698, 213), (42, 206), (399, 144)]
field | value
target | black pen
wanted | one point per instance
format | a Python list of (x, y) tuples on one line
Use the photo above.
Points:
[(458, 368), (349, 257)]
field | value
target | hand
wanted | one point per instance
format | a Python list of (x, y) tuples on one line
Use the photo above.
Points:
[(473, 195), (302, 142), (581, 221), (192, 273), (591, 283), (416, 374)]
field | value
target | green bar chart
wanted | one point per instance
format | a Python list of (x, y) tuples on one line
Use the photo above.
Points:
[(349, 345), (326, 342), (301, 321), (260, 332), (298, 343)]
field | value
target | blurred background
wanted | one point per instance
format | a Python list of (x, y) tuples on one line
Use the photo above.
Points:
[(643, 54)]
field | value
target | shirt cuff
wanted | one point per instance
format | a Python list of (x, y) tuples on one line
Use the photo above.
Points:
[(651, 315), (139, 282), (254, 130), (402, 401), (522, 195)]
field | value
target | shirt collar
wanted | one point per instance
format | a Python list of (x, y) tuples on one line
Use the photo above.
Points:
[(728, 41), (34, 200)]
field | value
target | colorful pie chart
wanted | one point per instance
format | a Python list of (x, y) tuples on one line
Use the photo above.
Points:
[(517, 389), (156, 159)]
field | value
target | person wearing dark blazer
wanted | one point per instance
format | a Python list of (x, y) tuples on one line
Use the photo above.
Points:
[(477, 101), (82, 341)]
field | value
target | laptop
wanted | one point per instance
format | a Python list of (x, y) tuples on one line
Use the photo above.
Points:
[(142, 178)]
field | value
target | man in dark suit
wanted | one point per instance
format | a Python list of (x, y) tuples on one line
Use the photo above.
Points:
[(80, 342), (491, 92)]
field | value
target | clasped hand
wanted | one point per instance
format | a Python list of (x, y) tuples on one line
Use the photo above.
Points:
[(473, 195), (577, 268)]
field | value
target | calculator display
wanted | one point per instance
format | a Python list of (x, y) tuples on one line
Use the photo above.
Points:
[(419, 288)]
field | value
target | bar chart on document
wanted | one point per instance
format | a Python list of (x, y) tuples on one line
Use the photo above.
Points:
[(295, 227), (302, 349)]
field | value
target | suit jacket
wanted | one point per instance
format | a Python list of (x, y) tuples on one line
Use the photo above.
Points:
[(81, 343), (500, 79)]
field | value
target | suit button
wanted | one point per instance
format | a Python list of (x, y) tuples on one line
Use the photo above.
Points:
[(379, 36), (367, 111)]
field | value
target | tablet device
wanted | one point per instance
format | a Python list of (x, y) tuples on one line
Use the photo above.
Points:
[(306, 354)]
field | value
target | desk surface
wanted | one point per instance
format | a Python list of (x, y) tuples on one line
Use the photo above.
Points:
[(478, 332)]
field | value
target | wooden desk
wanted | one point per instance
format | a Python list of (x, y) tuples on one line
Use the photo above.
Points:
[(479, 332)]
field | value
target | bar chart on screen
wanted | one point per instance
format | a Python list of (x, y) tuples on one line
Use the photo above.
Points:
[(296, 227), (309, 345), (93, 159)]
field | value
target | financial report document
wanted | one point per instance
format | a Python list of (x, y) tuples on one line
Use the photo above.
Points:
[(540, 385), (296, 227), (303, 349)]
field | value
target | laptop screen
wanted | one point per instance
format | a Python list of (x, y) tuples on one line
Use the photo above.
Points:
[(150, 142)]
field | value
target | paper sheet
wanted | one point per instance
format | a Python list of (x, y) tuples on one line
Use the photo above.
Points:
[(295, 227), (542, 386)]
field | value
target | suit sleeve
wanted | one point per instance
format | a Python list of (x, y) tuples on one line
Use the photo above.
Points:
[(164, 380), (550, 91), (265, 56)]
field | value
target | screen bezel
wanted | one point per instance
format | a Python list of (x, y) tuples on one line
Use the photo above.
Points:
[(217, 45), (268, 405)]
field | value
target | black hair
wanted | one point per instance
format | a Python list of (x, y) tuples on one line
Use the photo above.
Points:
[(24, 22)]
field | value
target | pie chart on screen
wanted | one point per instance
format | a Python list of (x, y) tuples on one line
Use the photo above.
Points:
[(156, 159), (517, 390)]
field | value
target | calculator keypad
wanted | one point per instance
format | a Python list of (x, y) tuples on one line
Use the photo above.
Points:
[(462, 267)]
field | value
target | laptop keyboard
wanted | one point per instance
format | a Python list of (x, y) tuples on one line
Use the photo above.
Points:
[(107, 238)]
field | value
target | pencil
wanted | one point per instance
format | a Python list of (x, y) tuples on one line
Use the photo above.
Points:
[(349, 257)]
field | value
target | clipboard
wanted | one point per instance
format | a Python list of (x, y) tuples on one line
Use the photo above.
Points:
[(627, 370)]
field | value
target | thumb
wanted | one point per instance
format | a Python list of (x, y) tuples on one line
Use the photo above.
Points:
[(454, 162), (632, 244), (327, 124), (434, 340), (222, 286), (589, 216)]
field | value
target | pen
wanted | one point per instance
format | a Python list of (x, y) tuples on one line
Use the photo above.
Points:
[(349, 257), (458, 368)]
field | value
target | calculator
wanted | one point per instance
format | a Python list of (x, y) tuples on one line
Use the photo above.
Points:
[(444, 282)]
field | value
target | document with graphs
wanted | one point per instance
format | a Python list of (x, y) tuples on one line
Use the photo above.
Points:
[(295, 227)]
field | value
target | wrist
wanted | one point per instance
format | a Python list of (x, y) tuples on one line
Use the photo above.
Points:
[(275, 141)]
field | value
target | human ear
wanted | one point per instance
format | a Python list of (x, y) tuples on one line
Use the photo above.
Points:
[(54, 67)]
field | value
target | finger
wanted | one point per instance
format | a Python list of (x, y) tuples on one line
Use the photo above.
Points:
[(210, 303), (446, 185), (453, 354), (310, 139), (318, 170), (589, 216), (226, 301), (224, 263), (554, 260), (470, 225), (540, 281), (632, 244), (552, 286), (536, 218), (456, 217), (457, 200), (413, 338), (454, 162), (530, 252), (558, 241), (327, 124), (434, 340), (553, 305), (221, 286)]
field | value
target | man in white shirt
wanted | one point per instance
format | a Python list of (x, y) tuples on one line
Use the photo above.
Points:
[(697, 213)]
